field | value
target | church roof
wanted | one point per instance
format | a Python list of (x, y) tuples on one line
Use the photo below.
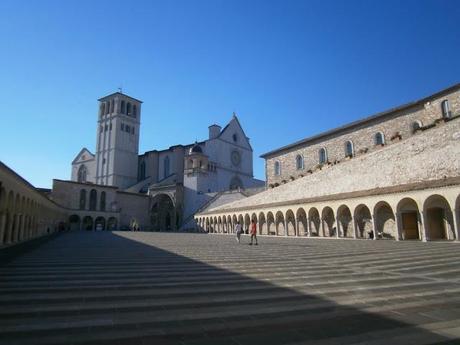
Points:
[(118, 93)]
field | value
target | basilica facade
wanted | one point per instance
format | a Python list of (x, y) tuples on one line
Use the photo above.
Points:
[(164, 187)]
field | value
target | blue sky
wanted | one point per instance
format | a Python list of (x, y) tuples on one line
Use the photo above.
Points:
[(289, 69)]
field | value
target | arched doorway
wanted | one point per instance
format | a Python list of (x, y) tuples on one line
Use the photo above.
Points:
[(314, 220), (344, 222), (439, 219), (328, 222), (112, 224), (87, 223), (280, 230), (163, 213), (290, 223), (262, 224), (408, 214), (99, 224), (363, 220), (74, 222), (302, 228), (384, 219), (271, 224)]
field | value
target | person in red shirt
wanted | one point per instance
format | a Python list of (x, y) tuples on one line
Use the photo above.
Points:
[(253, 232)]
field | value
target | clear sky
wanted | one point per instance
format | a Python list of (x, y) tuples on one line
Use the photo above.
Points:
[(289, 69)]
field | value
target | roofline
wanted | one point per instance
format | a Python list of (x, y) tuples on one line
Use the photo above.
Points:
[(86, 184), (360, 122), (119, 93)]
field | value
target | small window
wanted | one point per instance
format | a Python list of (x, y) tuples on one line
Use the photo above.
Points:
[(445, 109), (107, 107), (111, 105), (106, 128), (299, 162), (128, 108), (379, 139), (416, 126), (349, 149), (122, 126), (123, 107), (322, 156), (102, 109), (127, 128), (277, 168), (235, 137)]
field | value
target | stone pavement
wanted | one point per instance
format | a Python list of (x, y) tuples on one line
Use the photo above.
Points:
[(158, 288)]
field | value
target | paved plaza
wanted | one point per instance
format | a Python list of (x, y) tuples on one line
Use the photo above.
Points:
[(170, 288)]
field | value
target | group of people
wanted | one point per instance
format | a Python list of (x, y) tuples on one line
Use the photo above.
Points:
[(252, 231)]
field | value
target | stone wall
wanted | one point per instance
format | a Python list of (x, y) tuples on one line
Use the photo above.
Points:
[(429, 155), (396, 125)]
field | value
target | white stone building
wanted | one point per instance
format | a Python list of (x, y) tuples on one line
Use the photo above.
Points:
[(180, 180)]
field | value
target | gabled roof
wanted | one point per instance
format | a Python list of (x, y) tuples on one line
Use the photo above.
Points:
[(79, 153), (118, 93), (235, 118), (366, 120)]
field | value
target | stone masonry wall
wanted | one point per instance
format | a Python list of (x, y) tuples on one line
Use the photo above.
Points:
[(362, 139), (430, 155)]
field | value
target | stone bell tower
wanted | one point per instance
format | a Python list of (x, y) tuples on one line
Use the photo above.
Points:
[(117, 143)]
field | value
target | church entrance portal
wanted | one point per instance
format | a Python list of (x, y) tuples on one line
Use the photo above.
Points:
[(163, 214)]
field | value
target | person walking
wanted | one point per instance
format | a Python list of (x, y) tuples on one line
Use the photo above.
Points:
[(253, 231), (238, 230)]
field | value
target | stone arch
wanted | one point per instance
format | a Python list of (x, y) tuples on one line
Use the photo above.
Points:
[(92, 200), (234, 221), (216, 224), (439, 223), (241, 220), (363, 222), (263, 230), (290, 223), (408, 212), (247, 222), (99, 223), (224, 224), (328, 221), (163, 215), (219, 224), (207, 224), (344, 222), (280, 230), (112, 224), (271, 229), (301, 221), (314, 221), (88, 223), (457, 214), (229, 224), (74, 222), (385, 222)]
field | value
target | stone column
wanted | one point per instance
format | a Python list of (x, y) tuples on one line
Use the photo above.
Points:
[(2, 227), (321, 226), (374, 227), (399, 226), (353, 227), (337, 228), (456, 219), (422, 231), (286, 228)]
